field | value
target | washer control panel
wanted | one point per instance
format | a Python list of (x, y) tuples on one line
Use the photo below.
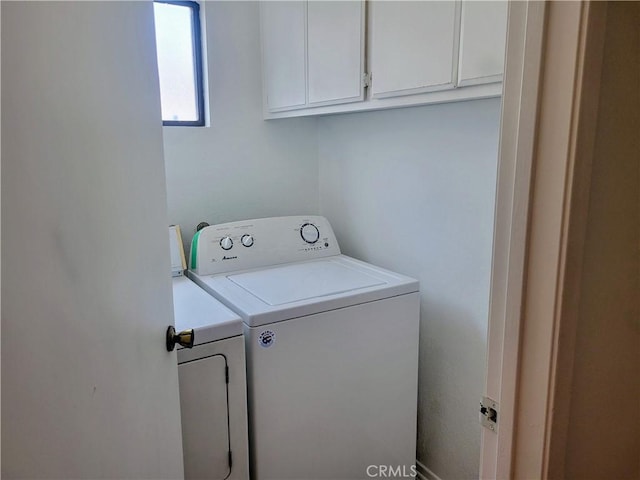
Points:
[(234, 246)]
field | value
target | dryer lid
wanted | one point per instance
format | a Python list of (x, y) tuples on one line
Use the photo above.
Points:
[(195, 308), (297, 282)]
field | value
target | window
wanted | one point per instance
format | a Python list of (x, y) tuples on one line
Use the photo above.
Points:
[(179, 50)]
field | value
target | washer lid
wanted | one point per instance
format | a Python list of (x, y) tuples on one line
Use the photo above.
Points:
[(282, 292), (293, 283)]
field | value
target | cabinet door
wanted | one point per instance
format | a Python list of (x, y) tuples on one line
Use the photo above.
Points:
[(413, 46), (482, 42), (205, 418), (283, 29), (335, 40)]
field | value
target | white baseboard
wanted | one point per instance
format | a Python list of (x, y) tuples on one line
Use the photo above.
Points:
[(424, 473)]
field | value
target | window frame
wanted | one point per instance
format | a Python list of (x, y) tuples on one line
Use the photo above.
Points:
[(196, 41)]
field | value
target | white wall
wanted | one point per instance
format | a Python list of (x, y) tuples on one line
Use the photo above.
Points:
[(413, 191), (241, 166)]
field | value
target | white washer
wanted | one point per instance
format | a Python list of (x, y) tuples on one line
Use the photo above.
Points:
[(332, 348), (213, 394)]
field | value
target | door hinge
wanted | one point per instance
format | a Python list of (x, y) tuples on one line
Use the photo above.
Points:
[(226, 375), (230, 460), (489, 413), (366, 79)]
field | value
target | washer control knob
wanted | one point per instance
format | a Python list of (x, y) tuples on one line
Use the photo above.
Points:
[(309, 233), (226, 243), (247, 240)]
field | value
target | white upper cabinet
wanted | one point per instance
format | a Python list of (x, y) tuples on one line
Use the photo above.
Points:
[(482, 42), (313, 53), (417, 52), (284, 33), (413, 46), (335, 55)]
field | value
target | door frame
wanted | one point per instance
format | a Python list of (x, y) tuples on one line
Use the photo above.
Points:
[(550, 106)]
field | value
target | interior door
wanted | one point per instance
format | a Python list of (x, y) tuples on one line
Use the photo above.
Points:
[(88, 388)]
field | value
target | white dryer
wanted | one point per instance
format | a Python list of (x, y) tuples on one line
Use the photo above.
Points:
[(332, 348), (213, 395)]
